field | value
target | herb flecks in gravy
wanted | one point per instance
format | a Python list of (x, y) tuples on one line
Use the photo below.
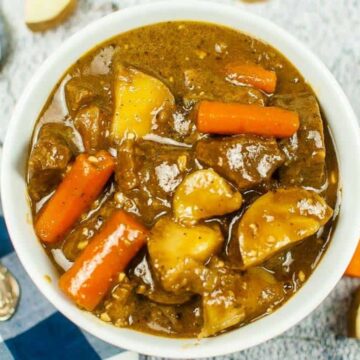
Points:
[(163, 228)]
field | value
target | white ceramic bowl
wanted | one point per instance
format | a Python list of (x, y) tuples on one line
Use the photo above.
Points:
[(343, 126)]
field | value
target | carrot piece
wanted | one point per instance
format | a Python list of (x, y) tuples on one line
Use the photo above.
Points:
[(75, 194), (354, 267), (94, 271), (253, 75), (232, 118)]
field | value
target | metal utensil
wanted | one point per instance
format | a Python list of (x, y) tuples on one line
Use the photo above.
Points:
[(9, 294)]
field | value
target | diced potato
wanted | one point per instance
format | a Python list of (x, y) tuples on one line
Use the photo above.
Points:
[(172, 241), (239, 298), (221, 310), (279, 219), (178, 253), (139, 100), (262, 292), (204, 194), (149, 286)]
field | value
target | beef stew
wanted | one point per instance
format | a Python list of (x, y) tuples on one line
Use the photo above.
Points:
[(183, 180)]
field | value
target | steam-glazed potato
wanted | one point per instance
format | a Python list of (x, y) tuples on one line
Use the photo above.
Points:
[(237, 297), (279, 219), (204, 194), (222, 310), (178, 253), (139, 100)]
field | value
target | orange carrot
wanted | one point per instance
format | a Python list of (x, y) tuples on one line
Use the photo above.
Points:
[(253, 75), (75, 194), (232, 118), (110, 251), (354, 266)]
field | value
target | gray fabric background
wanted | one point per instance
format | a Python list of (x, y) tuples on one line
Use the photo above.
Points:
[(330, 28)]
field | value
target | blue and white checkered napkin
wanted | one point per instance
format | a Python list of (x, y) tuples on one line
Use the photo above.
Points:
[(38, 331)]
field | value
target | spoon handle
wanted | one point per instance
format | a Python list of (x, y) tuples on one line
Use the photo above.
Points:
[(9, 294)]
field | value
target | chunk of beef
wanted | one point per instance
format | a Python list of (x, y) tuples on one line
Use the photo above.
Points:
[(246, 160), (123, 308), (147, 175), (127, 164), (179, 126), (305, 150), (93, 126), (90, 88), (49, 158), (121, 304), (78, 239), (170, 319)]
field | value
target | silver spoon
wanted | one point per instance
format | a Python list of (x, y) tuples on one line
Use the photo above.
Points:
[(9, 294)]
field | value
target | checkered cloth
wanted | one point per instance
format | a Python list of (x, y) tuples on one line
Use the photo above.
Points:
[(37, 330)]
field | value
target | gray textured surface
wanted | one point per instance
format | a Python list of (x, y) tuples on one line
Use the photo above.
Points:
[(330, 28)]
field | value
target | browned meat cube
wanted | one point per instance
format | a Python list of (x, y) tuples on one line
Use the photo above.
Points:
[(246, 160), (121, 304), (305, 150), (93, 126), (82, 91), (79, 238), (49, 158), (126, 170), (148, 173), (179, 126)]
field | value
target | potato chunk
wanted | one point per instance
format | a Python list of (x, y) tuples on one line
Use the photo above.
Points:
[(178, 253), (139, 100), (279, 219), (238, 298), (221, 311), (204, 194)]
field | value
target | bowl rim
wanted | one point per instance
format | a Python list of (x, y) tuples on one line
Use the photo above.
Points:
[(347, 142)]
